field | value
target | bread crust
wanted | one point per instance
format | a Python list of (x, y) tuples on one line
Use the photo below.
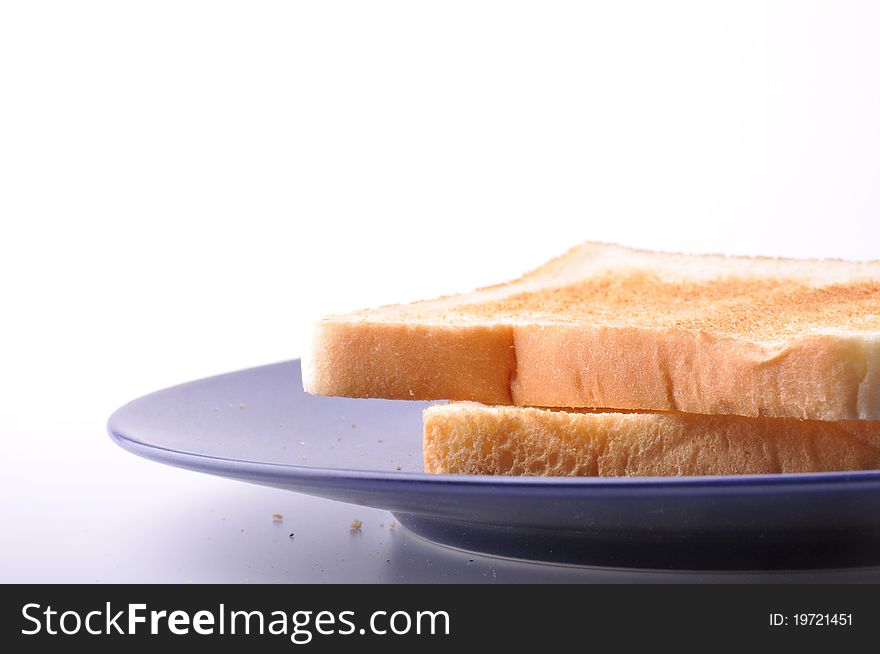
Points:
[(604, 326), (813, 377), (411, 361), (470, 438)]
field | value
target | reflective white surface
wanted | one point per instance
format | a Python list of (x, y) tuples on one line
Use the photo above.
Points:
[(83, 510)]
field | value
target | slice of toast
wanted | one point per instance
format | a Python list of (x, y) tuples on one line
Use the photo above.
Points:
[(471, 438), (607, 326)]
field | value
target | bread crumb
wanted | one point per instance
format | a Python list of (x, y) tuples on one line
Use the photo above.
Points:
[(356, 524), (397, 467), (277, 517), (241, 405), (392, 524)]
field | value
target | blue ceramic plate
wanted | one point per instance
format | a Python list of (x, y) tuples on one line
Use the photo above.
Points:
[(258, 425)]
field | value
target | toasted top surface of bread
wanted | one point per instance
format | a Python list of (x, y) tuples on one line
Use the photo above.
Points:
[(614, 286), (756, 308), (699, 333)]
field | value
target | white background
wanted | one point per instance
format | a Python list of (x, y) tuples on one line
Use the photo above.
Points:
[(185, 185)]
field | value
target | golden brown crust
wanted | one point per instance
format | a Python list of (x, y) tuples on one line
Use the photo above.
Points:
[(469, 438), (608, 326), (413, 362), (813, 377)]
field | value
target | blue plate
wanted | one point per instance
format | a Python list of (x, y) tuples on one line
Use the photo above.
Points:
[(258, 425)]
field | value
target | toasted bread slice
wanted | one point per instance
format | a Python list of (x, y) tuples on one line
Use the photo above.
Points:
[(607, 326), (471, 438)]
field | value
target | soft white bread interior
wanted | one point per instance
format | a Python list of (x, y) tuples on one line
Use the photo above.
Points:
[(471, 438), (607, 326)]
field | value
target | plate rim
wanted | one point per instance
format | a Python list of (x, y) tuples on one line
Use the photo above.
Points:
[(754, 482)]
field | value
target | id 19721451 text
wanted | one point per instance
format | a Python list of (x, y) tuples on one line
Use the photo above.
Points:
[(811, 620)]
